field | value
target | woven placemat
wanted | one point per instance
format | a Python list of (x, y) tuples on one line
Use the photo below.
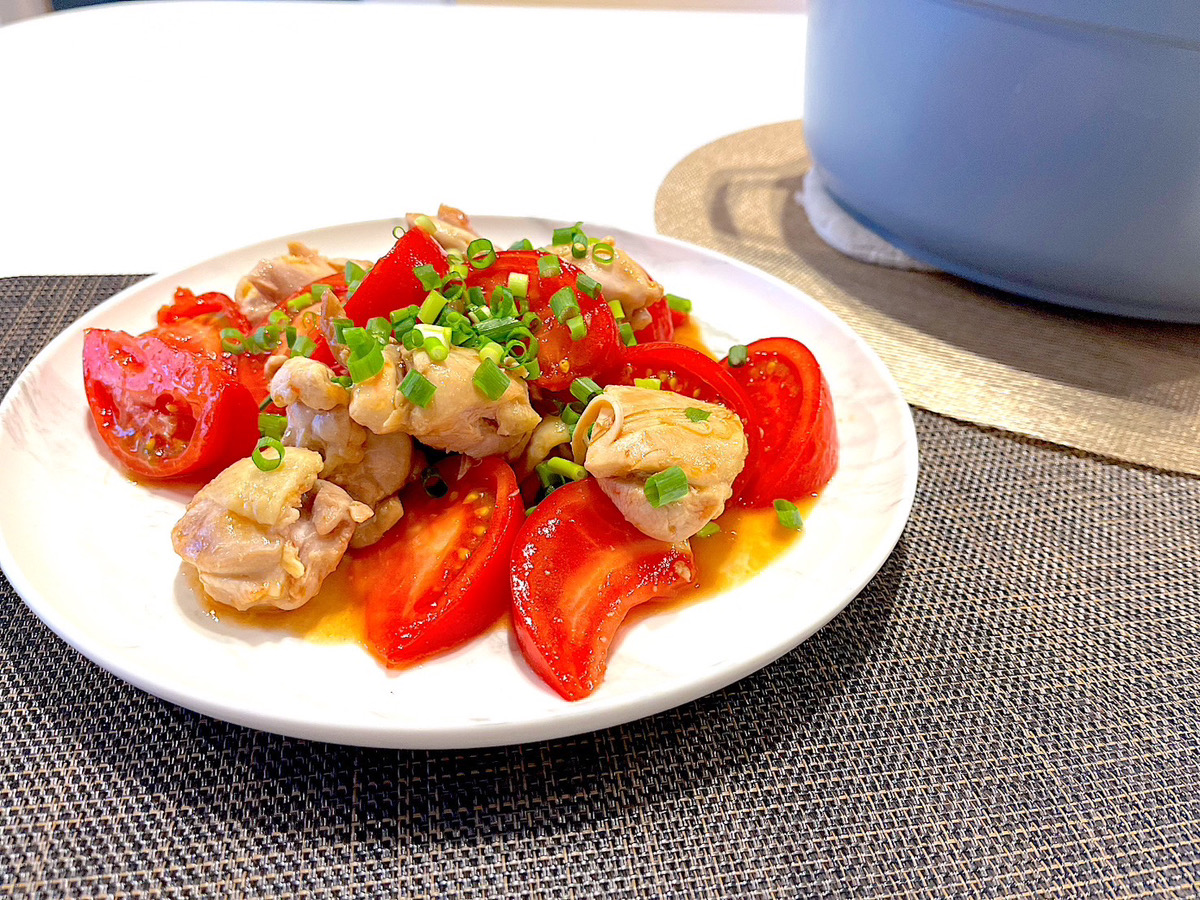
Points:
[(1010, 709), (1116, 387)]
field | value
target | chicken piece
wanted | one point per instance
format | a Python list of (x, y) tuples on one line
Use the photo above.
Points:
[(628, 434), (274, 280), (623, 280), (459, 418), (550, 433), (267, 539), (369, 466), (452, 229)]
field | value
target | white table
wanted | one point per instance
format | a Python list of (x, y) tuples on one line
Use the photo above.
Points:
[(142, 136)]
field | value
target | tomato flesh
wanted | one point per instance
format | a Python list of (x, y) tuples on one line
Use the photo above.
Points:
[(165, 412), (560, 358), (799, 434), (577, 569), (391, 284), (662, 324), (440, 576)]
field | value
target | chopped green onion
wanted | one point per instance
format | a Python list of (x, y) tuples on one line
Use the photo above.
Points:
[(502, 302), (669, 486), (788, 515), (407, 313), (431, 308), (366, 366), (278, 317), (233, 341), (493, 351), (399, 231), (627, 335), (339, 329), (567, 234), (522, 349), (359, 340), (355, 275), (437, 350), (522, 244), (618, 310), (303, 302), (426, 224), (564, 304), (476, 296), (533, 370), (481, 253), (709, 530), (738, 355), (584, 389), (549, 266), (603, 252), (567, 469), (272, 426), (497, 328), (588, 285), (518, 283), (578, 328), (452, 292), (321, 292), (412, 339), (264, 463), (570, 414), (380, 327), (342, 381), (579, 246), (696, 414), (418, 389), (267, 401), (651, 384), (303, 346), (435, 333), (490, 380), (679, 304), (428, 276)]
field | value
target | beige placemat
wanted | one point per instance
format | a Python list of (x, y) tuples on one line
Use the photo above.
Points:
[(1119, 388)]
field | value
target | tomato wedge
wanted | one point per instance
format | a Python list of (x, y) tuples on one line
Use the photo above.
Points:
[(440, 576), (165, 412), (560, 358), (689, 372), (662, 323), (391, 284), (577, 569), (799, 437), (307, 322)]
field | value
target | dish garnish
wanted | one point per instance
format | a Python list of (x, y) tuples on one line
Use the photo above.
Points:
[(459, 431)]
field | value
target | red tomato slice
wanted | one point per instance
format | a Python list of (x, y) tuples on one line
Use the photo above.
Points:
[(561, 359), (165, 412), (440, 576), (662, 323), (799, 435), (391, 284), (577, 569), (687, 371)]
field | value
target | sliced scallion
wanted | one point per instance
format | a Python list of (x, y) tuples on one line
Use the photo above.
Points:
[(738, 355), (668, 486), (618, 310), (650, 384), (588, 285), (578, 328), (518, 283), (627, 336), (490, 380), (481, 253), (366, 366), (431, 308), (709, 530), (268, 463), (303, 346), (272, 426), (603, 252), (355, 274), (428, 276), (567, 469), (584, 389), (549, 266), (303, 302), (522, 244), (233, 341), (426, 224), (418, 389), (696, 414), (679, 304), (788, 515), (564, 304)]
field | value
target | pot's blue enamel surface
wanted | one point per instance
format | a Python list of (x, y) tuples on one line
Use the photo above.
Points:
[(1054, 153)]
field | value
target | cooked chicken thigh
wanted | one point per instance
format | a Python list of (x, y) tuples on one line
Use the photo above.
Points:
[(274, 280), (267, 539), (623, 280), (371, 467), (459, 418), (452, 228), (628, 434)]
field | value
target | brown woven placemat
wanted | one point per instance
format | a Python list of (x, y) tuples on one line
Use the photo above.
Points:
[(1117, 387), (1010, 709)]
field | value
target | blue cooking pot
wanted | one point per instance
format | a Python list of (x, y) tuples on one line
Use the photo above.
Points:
[(1046, 147)]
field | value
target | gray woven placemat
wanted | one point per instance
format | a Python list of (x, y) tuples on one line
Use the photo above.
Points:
[(1010, 708)]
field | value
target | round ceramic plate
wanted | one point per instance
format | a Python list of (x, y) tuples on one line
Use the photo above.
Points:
[(89, 550)]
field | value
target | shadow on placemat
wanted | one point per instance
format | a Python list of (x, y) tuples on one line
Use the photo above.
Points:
[(1010, 708), (1117, 387)]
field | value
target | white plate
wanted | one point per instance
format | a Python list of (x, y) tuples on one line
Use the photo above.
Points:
[(90, 552)]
